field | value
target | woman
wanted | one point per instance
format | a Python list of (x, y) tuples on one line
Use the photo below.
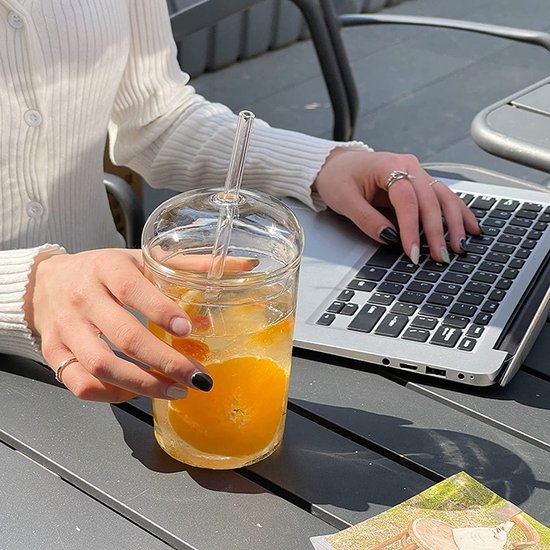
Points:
[(73, 70)]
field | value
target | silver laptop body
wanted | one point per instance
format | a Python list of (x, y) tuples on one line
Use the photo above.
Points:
[(331, 296)]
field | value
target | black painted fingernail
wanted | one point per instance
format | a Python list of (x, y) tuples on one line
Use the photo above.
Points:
[(202, 381), (389, 235)]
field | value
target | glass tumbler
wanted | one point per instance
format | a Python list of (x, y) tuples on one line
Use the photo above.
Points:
[(242, 323)]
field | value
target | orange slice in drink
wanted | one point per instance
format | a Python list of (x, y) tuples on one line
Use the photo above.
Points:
[(242, 413), (191, 348)]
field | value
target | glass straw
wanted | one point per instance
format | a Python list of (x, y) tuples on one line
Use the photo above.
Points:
[(228, 199)]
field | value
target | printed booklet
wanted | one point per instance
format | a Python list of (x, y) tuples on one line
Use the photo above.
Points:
[(458, 513)]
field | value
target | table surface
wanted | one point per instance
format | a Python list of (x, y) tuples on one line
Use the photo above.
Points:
[(359, 439), (517, 127)]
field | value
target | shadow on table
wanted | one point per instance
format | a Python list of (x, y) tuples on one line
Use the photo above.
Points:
[(144, 448), (382, 459)]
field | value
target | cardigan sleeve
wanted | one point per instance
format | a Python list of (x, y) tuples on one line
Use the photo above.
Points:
[(15, 266), (176, 139)]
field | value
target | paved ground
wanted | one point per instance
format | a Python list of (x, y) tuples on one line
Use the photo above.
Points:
[(420, 87)]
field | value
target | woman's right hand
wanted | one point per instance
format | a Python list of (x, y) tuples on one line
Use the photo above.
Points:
[(73, 300)]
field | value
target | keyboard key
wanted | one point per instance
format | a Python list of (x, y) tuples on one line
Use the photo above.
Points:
[(403, 309), (540, 226), (416, 334), (363, 285), (392, 325), (420, 286), (489, 306), (477, 288), (507, 204), (503, 248), (456, 321), (531, 206), (500, 214), (484, 277), (460, 267), (412, 297), (440, 299), (481, 239), (475, 331), (422, 321), (470, 258), (504, 284), (455, 278), (346, 295), (515, 263), (389, 288), (521, 222), (491, 231), (467, 344), (432, 310), (367, 318), (510, 273), (326, 319), (491, 267), (371, 273), (497, 257), (432, 265), (349, 309), (427, 276), (446, 336), (467, 198), (534, 235), (529, 244), (406, 267), (492, 222), (401, 278), (497, 295), (448, 288), (514, 231), (381, 299), (522, 253), (470, 298), (474, 248), (483, 202), (483, 319), (464, 310), (545, 218), (526, 214), (335, 307), (385, 256)]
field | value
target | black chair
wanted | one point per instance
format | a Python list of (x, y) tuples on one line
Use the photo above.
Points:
[(133, 217)]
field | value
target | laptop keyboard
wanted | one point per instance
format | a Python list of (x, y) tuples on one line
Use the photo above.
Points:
[(451, 304)]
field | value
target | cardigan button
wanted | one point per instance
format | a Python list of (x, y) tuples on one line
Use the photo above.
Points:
[(32, 118), (34, 209), (15, 20)]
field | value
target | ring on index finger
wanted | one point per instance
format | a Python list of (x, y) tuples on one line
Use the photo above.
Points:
[(397, 175), (434, 181), (63, 366)]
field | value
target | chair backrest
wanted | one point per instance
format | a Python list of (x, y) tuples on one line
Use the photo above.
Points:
[(127, 209)]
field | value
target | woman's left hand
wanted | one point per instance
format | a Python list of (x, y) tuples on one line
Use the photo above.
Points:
[(354, 183)]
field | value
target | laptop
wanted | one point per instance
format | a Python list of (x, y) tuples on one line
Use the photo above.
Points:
[(472, 321)]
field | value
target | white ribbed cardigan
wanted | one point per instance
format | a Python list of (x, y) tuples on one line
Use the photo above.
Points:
[(71, 70)]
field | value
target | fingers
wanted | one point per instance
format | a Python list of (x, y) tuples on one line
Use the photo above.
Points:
[(123, 330), (423, 201), (371, 221), (99, 375)]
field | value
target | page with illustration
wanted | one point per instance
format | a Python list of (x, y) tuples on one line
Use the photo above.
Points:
[(458, 513)]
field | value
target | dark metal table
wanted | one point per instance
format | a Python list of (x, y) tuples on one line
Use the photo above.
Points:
[(358, 440), (517, 127)]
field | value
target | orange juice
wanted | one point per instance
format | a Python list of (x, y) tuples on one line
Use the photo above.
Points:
[(245, 345)]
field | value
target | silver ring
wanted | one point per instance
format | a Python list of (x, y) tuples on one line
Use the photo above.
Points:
[(62, 367), (435, 181), (397, 175)]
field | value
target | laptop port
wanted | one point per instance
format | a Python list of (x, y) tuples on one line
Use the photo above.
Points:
[(407, 366), (437, 372)]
